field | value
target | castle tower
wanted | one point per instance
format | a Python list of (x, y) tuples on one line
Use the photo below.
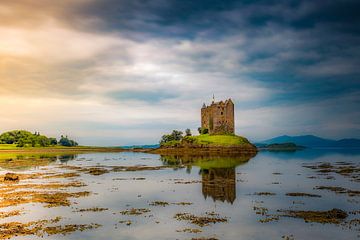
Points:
[(218, 118)]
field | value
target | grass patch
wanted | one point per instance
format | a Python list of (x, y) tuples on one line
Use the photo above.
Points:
[(8, 146), (223, 140), (56, 147)]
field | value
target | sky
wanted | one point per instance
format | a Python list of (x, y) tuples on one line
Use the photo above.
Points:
[(123, 72)]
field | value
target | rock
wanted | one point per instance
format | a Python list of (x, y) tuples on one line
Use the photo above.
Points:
[(11, 177)]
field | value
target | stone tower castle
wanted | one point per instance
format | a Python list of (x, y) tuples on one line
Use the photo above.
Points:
[(218, 118)]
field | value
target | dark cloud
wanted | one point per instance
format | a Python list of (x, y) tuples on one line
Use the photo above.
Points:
[(144, 96), (298, 60)]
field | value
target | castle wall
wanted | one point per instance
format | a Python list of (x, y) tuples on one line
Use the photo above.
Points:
[(230, 117), (205, 116)]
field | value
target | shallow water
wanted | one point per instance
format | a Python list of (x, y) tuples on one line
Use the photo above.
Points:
[(225, 187)]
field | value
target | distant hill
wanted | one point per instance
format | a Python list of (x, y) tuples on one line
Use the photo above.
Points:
[(314, 141), (280, 147)]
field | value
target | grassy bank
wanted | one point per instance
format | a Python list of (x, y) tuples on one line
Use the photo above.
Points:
[(210, 140), (12, 148), (20, 158), (208, 144)]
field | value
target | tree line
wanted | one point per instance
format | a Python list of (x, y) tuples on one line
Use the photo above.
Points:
[(24, 138), (177, 135)]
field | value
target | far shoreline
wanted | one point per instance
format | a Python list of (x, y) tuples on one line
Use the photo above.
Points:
[(78, 149)]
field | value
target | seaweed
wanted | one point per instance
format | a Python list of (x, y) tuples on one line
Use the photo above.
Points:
[(200, 220), (264, 194), (135, 211), (334, 215), (339, 190), (299, 194), (94, 209), (41, 228)]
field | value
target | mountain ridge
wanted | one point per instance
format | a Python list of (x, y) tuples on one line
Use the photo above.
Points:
[(314, 141)]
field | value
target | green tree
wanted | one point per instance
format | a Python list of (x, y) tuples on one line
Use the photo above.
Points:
[(24, 138), (188, 132), (174, 136), (53, 141), (20, 143), (42, 141), (177, 135), (65, 141)]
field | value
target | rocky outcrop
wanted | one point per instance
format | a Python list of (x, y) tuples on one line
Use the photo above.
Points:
[(185, 148)]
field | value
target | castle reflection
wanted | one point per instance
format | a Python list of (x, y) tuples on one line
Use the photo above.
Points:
[(217, 173), (219, 184)]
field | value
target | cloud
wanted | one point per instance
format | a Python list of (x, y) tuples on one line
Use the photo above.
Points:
[(125, 68), (52, 43), (144, 96), (34, 14), (303, 118)]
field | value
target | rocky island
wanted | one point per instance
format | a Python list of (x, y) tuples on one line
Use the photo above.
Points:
[(280, 147), (207, 144), (217, 135)]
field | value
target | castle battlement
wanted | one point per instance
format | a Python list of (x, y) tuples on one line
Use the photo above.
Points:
[(218, 117)]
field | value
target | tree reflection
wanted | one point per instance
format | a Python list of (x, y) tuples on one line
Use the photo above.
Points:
[(217, 173)]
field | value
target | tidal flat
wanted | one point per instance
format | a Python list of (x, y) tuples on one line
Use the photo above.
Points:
[(307, 194)]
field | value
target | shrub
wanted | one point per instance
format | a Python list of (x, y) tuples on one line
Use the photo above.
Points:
[(203, 130), (65, 141), (174, 136), (53, 141)]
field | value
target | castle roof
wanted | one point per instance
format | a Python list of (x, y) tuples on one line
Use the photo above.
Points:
[(229, 101), (223, 102)]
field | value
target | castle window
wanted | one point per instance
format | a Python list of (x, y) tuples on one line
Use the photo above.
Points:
[(222, 113)]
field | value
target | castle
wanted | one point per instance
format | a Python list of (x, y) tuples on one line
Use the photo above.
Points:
[(218, 118)]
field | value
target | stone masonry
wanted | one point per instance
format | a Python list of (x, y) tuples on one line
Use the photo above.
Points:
[(218, 117)]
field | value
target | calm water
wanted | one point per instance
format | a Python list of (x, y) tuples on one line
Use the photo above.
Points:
[(225, 186)]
